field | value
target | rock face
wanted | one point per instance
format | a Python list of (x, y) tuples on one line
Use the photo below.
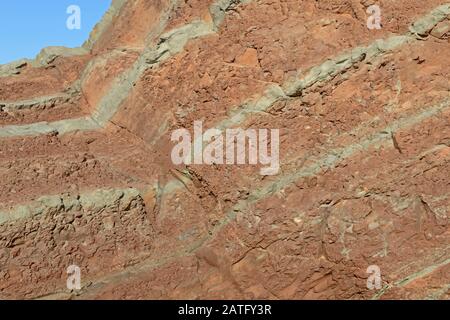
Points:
[(364, 119)]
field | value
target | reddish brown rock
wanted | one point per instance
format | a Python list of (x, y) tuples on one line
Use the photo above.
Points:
[(364, 120)]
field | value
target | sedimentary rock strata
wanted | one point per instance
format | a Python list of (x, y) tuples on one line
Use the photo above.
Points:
[(364, 179)]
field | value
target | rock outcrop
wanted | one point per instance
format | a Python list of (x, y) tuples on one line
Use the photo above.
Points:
[(364, 119)]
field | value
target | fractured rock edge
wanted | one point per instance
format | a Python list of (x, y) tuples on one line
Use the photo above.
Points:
[(105, 22), (48, 54), (12, 106)]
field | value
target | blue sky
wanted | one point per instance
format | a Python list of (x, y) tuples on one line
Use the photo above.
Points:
[(26, 26)]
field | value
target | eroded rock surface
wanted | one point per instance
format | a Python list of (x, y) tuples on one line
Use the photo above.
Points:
[(364, 119)]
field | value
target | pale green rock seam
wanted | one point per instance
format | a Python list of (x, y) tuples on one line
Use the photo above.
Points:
[(49, 54), (65, 97), (88, 201), (105, 22)]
